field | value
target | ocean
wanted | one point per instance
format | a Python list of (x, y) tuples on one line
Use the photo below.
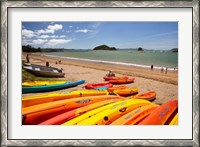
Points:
[(125, 57)]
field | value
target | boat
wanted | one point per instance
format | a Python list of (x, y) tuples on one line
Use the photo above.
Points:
[(44, 98), (46, 88), (44, 71), (41, 83), (150, 96), (135, 116), (94, 86), (111, 89), (114, 78), (107, 116), (38, 113), (126, 92), (122, 81), (161, 114), (59, 119)]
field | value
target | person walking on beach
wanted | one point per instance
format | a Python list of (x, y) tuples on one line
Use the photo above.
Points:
[(27, 58), (166, 70), (162, 69), (47, 64), (152, 67)]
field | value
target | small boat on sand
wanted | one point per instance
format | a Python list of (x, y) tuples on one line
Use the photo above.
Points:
[(114, 78), (41, 83), (122, 81), (43, 71)]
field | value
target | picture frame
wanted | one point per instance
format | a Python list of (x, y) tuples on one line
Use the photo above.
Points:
[(6, 5)]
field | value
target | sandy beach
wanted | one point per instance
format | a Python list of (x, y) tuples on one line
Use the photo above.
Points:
[(165, 85)]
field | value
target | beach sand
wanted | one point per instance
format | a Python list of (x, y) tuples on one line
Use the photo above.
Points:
[(165, 85)]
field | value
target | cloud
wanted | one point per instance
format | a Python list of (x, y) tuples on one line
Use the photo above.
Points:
[(82, 31), (38, 41), (50, 29), (54, 42), (44, 36), (70, 26), (55, 27), (28, 33)]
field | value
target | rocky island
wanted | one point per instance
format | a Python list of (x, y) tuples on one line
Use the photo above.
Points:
[(104, 47)]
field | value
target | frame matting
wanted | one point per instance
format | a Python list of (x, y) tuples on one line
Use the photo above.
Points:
[(5, 5)]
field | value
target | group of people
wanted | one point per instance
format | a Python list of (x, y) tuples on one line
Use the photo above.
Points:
[(162, 69)]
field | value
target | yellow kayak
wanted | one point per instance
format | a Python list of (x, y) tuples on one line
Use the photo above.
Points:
[(108, 115), (91, 113), (44, 98), (41, 83), (174, 120)]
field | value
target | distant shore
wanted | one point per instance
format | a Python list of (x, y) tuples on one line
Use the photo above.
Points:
[(165, 85)]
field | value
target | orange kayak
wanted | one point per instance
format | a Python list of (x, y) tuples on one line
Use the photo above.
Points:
[(46, 110), (93, 86), (126, 92), (150, 96), (122, 81), (111, 89), (134, 116), (161, 114), (44, 98), (59, 119), (114, 78)]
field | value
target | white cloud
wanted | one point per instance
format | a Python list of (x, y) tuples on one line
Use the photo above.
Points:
[(55, 27), (44, 36), (62, 36), (82, 31), (68, 31), (70, 26), (54, 42), (50, 29), (28, 33), (38, 41)]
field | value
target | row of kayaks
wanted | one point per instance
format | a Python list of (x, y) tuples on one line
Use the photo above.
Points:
[(45, 86), (94, 107)]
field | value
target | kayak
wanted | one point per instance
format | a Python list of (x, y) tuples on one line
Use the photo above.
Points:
[(41, 83), (122, 81), (107, 116), (46, 88), (111, 89), (59, 119), (93, 86), (41, 112), (135, 116), (174, 120), (114, 78), (150, 96), (44, 98), (126, 92), (91, 113), (161, 114)]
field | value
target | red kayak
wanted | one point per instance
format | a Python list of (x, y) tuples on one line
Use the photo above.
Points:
[(114, 78), (122, 81), (93, 86)]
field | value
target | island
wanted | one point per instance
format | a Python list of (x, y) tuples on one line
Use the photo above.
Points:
[(104, 47), (174, 50), (140, 49)]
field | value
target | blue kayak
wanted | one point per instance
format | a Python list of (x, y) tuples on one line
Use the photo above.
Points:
[(46, 88)]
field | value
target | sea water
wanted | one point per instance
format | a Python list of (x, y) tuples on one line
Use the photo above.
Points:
[(145, 58)]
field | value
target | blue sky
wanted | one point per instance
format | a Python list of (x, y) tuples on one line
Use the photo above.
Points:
[(87, 35)]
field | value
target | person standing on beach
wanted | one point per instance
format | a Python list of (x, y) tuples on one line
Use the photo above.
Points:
[(166, 70), (152, 67), (27, 58), (162, 69)]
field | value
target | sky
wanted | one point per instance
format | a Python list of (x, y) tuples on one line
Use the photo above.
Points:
[(87, 35)]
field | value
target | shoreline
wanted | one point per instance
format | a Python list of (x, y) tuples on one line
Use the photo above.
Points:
[(109, 62), (165, 85)]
